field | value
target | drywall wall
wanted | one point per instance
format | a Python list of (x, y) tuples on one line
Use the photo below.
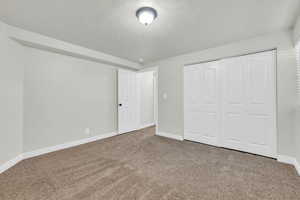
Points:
[(11, 77), (146, 85), (39, 41), (296, 31), (63, 96), (170, 83)]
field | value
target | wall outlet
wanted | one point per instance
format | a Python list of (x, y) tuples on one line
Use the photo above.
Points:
[(165, 96), (87, 131)]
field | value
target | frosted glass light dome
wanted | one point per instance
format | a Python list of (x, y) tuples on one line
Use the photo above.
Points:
[(146, 15)]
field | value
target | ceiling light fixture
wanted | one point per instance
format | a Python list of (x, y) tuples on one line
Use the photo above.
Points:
[(146, 15)]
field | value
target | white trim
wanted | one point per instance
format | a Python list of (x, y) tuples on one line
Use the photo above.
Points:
[(142, 126), (139, 99), (10, 163), (286, 159), (297, 52), (289, 160), (156, 95), (46, 150), (170, 135), (155, 76), (67, 145), (297, 166)]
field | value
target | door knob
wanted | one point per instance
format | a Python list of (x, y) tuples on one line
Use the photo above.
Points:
[(120, 104)]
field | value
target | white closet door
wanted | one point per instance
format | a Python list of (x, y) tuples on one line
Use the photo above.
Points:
[(232, 103), (201, 103), (128, 101), (249, 103)]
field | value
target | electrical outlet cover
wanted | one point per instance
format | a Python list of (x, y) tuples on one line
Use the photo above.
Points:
[(87, 131)]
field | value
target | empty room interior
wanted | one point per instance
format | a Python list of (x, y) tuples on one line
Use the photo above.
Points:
[(150, 100)]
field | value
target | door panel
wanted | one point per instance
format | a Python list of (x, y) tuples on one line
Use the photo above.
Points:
[(254, 125), (202, 103), (128, 101), (234, 117), (234, 81)]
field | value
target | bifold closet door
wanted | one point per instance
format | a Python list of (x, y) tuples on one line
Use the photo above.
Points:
[(248, 103), (232, 103), (202, 103)]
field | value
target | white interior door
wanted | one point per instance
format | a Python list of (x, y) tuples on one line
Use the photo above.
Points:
[(232, 103), (249, 103), (128, 101), (202, 101)]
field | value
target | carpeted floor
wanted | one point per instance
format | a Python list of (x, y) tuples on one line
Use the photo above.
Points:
[(141, 166)]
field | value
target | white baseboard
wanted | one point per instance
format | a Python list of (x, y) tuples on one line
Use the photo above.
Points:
[(66, 145), (281, 158), (146, 125), (289, 160), (10, 163), (42, 151), (286, 159), (297, 166), (170, 135)]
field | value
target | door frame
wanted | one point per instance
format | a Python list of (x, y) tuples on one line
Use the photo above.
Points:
[(155, 84), (275, 99)]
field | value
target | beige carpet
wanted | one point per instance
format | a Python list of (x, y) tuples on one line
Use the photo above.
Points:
[(141, 166)]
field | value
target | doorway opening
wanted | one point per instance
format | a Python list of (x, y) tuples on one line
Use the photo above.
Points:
[(137, 99), (147, 93)]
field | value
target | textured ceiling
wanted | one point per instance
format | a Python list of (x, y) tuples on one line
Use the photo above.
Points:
[(182, 26)]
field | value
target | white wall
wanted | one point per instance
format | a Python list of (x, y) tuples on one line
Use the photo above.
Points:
[(297, 30), (11, 89), (146, 83), (63, 96), (48, 98), (39, 41), (170, 82)]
